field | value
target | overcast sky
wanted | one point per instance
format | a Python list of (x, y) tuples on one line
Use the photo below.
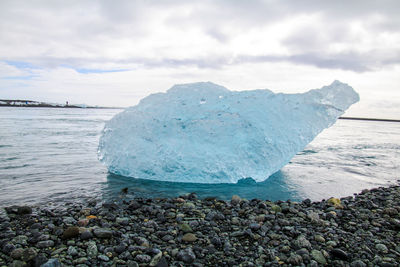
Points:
[(113, 53)]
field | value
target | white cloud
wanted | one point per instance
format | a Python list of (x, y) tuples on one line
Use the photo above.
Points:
[(284, 45)]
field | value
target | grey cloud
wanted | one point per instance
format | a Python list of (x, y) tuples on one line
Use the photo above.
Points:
[(354, 61), (351, 60), (76, 33)]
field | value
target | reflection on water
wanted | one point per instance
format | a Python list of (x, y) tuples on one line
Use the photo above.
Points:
[(276, 187)]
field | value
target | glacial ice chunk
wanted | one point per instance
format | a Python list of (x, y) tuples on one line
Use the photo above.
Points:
[(204, 133)]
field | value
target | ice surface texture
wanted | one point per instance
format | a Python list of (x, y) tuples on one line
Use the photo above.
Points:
[(204, 133)]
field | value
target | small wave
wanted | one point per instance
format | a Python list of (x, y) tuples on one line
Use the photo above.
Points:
[(354, 172), (15, 167), (307, 151), (1, 146), (11, 158)]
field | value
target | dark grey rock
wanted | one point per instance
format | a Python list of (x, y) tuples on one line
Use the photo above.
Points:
[(18, 263), (103, 257), (21, 240), (235, 200), (131, 263), (254, 226), (86, 235), (70, 232), (102, 233), (40, 259), (216, 241), (302, 242), (156, 258), (23, 210), (8, 248), (91, 249), (120, 248), (45, 244), (166, 238), (28, 254), (340, 254), (52, 263), (36, 226), (69, 221), (72, 251), (295, 259), (358, 263), (318, 256), (16, 254), (187, 255), (382, 248), (143, 258), (122, 221)]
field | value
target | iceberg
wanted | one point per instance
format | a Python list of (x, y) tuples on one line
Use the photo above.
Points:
[(205, 133)]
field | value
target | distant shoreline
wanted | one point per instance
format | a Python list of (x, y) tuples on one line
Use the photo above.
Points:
[(49, 106), (368, 119), (35, 104)]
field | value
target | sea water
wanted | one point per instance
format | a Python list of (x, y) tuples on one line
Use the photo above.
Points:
[(50, 155)]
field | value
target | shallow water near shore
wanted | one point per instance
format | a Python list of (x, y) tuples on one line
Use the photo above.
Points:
[(50, 155)]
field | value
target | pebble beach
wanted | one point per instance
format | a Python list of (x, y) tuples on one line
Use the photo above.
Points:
[(360, 230)]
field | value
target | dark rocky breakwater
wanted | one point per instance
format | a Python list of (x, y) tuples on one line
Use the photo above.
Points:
[(354, 231)]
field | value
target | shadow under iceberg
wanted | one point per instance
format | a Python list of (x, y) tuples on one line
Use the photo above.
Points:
[(276, 187)]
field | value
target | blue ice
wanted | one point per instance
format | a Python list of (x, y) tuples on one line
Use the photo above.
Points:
[(205, 133)]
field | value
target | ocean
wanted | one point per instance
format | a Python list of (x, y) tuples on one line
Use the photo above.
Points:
[(49, 155)]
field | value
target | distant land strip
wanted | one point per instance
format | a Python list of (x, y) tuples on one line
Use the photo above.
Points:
[(367, 119), (37, 104), (30, 103)]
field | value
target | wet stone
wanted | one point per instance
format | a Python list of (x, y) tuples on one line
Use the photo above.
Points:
[(319, 238), (45, 244), (91, 249), (340, 254), (295, 259), (382, 248), (52, 263), (216, 241), (186, 255), (8, 248), (40, 259), (86, 235), (18, 263), (70, 232), (122, 221), (143, 258), (162, 263), (21, 240), (120, 248), (17, 253), (156, 258), (318, 256), (254, 226), (302, 242), (189, 237), (24, 210), (103, 257), (69, 221), (235, 200), (102, 233), (28, 254), (186, 228), (72, 251), (358, 263)]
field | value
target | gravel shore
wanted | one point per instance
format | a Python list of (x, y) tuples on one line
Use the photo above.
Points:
[(354, 231)]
